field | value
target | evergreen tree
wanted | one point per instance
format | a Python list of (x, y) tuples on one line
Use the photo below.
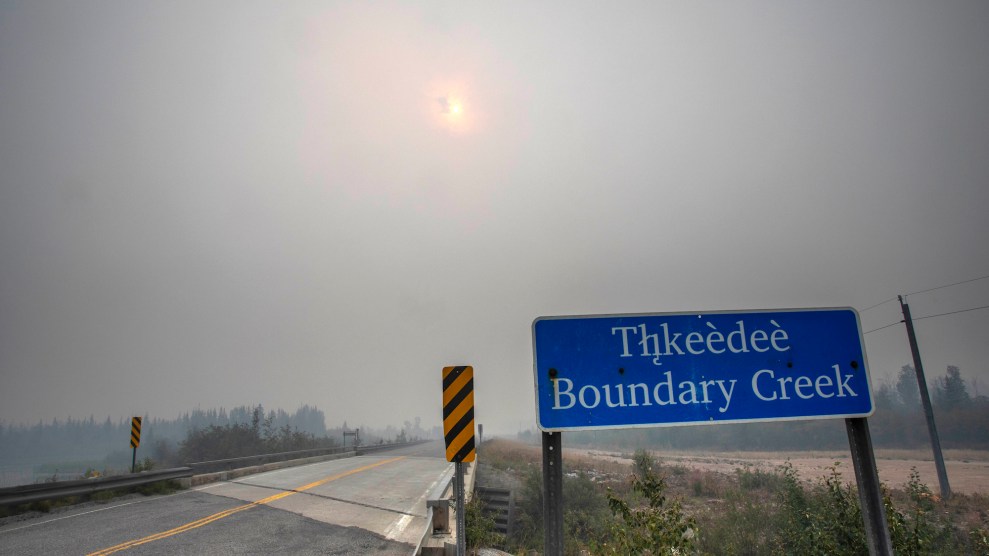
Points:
[(906, 387), (950, 391)]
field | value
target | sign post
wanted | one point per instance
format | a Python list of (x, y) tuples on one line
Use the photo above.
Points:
[(553, 492), (671, 369), (356, 433), (870, 495), (458, 431), (135, 440)]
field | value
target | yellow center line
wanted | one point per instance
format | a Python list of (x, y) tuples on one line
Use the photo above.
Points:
[(226, 513)]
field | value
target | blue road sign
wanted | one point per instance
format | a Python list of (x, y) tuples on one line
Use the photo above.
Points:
[(614, 371)]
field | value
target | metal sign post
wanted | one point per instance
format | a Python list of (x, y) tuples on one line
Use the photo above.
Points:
[(458, 486), (458, 431), (870, 496), (668, 369), (553, 493), (356, 433)]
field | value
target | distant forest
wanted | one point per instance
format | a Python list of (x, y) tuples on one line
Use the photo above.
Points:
[(102, 444), (962, 422)]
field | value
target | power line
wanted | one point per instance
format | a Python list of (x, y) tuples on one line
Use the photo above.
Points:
[(948, 286), (929, 317), (878, 304), (925, 291), (881, 327), (952, 312)]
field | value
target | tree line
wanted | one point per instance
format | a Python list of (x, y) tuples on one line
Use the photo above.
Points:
[(91, 440), (898, 422), (198, 435)]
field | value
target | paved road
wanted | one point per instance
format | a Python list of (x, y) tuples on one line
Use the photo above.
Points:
[(372, 504)]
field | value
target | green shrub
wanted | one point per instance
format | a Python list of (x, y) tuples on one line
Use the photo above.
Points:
[(146, 464), (160, 487), (644, 462), (918, 530), (824, 519), (480, 527), (585, 512), (738, 527), (659, 527), (697, 486), (755, 479), (527, 531), (979, 539), (827, 519)]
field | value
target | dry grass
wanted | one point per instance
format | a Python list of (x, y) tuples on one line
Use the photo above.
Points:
[(968, 470), (733, 494), (498, 452)]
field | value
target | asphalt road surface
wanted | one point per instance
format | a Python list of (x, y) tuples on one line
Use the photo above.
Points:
[(374, 504)]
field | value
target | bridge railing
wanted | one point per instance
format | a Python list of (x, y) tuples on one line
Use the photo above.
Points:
[(214, 466), (26, 494), (439, 510)]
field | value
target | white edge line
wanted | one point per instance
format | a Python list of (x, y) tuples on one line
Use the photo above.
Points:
[(148, 499)]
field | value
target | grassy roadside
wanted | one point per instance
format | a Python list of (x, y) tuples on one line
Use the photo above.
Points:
[(747, 511)]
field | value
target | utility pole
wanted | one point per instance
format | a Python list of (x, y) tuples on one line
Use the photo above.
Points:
[(925, 399)]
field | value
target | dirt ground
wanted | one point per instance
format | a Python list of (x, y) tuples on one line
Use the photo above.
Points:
[(968, 470)]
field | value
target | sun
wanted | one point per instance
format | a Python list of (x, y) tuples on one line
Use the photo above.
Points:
[(451, 107)]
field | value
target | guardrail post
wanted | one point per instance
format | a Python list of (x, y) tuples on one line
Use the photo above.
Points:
[(441, 516)]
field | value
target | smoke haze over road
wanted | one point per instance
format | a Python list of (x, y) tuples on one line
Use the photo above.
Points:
[(240, 203)]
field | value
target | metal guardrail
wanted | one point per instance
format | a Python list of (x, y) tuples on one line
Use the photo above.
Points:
[(437, 509), (213, 466), (361, 450), (26, 494)]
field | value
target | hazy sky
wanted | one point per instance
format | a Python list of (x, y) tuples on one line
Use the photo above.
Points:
[(209, 204)]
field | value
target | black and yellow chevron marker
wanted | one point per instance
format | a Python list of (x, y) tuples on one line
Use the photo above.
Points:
[(135, 432), (458, 413)]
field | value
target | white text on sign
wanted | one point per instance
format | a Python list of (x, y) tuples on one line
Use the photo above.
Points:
[(696, 343)]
